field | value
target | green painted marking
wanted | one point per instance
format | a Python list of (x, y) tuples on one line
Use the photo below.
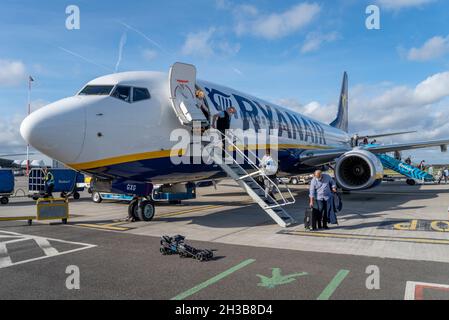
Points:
[(333, 285), (213, 280), (278, 279)]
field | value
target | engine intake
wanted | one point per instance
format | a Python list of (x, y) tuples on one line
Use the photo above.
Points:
[(358, 170)]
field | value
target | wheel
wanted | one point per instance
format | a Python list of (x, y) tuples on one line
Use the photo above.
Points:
[(145, 211), (294, 181), (35, 198), (64, 221), (4, 200), (76, 196), (410, 182), (96, 197), (30, 222), (89, 190), (63, 194), (132, 210)]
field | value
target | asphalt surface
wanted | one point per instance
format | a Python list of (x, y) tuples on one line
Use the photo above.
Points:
[(117, 265)]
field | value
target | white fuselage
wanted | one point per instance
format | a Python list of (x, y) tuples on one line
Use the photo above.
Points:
[(118, 139)]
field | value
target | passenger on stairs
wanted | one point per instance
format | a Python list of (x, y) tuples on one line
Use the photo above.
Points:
[(270, 167), (222, 122)]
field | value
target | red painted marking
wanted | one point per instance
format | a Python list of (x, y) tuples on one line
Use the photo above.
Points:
[(182, 81), (419, 290)]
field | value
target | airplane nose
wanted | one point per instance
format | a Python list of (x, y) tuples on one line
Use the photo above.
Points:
[(57, 130)]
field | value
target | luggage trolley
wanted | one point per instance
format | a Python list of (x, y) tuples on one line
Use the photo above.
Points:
[(67, 182), (6, 185)]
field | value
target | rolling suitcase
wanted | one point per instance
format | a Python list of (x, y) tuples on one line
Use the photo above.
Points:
[(308, 218)]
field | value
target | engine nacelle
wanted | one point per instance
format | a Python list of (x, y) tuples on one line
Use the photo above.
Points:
[(358, 170)]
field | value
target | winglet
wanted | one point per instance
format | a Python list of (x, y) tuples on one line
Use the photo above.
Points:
[(341, 122)]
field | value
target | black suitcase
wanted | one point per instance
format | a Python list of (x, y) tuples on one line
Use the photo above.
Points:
[(308, 218)]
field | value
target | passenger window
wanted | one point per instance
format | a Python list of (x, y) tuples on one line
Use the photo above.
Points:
[(122, 93), (140, 94)]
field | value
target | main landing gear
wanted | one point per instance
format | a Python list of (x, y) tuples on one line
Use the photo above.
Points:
[(141, 209)]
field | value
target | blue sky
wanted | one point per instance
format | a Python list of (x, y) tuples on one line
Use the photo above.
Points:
[(289, 52)]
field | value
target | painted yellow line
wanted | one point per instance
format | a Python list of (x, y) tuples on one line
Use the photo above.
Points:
[(16, 218), (177, 213), (367, 237), (102, 227)]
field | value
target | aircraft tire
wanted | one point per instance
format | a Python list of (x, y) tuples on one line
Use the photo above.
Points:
[(76, 196), (4, 200), (410, 182), (295, 181), (96, 197), (132, 209), (146, 210)]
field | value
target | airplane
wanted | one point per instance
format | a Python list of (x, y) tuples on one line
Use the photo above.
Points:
[(118, 128)]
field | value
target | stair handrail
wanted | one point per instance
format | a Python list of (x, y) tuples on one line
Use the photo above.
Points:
[(257, 168)]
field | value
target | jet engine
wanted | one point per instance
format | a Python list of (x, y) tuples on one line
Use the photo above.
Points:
[(358, 170)]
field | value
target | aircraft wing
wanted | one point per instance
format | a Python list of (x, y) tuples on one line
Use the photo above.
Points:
[(320, 157), (384, 135), (408, 146)]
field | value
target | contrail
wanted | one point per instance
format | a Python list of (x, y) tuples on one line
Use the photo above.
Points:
[(120, 50), (154, 43), (83, 58)]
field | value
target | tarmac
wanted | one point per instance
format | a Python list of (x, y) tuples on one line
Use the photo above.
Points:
[(396, 233)]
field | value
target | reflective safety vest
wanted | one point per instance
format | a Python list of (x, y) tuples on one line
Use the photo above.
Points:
[(49, 178)]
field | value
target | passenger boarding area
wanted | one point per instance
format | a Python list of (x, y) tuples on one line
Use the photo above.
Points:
[(402, 230)]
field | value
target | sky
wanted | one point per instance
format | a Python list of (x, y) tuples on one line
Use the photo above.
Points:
[(292, 53)]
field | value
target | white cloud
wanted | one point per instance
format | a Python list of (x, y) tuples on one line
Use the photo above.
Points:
[(10, 138), (276, 25), (198, 44), (433, 48), (202, 44), (401, 4), (423, 108), (12, 72), (315, 40), (149, 54)]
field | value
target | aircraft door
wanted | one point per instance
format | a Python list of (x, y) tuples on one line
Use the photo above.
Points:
[(182, 81)]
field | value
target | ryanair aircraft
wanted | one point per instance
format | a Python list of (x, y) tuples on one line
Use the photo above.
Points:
[(119, 128)]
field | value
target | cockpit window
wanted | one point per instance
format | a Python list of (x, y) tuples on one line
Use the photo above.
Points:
[(122, 93), (96, 90), (140, 94)]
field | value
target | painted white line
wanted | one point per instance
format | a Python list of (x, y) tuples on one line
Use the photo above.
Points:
[(42, 242), (5, 260), (411, 286)]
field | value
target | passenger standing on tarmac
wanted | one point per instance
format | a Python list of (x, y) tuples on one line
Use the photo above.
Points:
[(49, 182), (446, 175), (321, 188)]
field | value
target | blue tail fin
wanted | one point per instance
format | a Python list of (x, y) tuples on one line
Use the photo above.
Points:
[(341, 122)]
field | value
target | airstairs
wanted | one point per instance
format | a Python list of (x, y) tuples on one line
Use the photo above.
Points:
[(403, 168), (246, 173), (182, 85)]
